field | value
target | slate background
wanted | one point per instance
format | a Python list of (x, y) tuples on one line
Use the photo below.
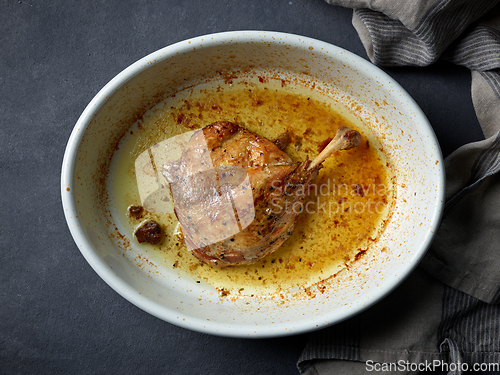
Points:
[(56, 314)]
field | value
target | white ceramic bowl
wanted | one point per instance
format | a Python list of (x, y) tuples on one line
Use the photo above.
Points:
[(389, 111)]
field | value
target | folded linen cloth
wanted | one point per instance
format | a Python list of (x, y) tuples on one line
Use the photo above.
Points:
[(446, 315)]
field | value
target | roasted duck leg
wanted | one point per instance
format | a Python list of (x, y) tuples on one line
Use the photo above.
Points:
[(236, 193)]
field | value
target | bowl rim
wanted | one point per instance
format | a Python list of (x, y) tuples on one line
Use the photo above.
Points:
[(193, 323)]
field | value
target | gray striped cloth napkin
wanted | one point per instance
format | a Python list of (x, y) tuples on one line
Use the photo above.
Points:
[(446, 315)]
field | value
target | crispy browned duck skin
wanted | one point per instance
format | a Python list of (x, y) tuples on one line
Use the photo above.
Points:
[(276, 183)]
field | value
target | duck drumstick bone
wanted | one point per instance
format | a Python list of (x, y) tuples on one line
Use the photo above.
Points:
[(345, 139)]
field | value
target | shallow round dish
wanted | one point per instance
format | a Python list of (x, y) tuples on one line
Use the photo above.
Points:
[(404, 132)]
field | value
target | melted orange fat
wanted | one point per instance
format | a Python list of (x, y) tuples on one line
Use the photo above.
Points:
[(346, 208)]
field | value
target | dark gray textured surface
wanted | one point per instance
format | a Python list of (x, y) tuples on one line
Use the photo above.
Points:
[(56, 314)]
